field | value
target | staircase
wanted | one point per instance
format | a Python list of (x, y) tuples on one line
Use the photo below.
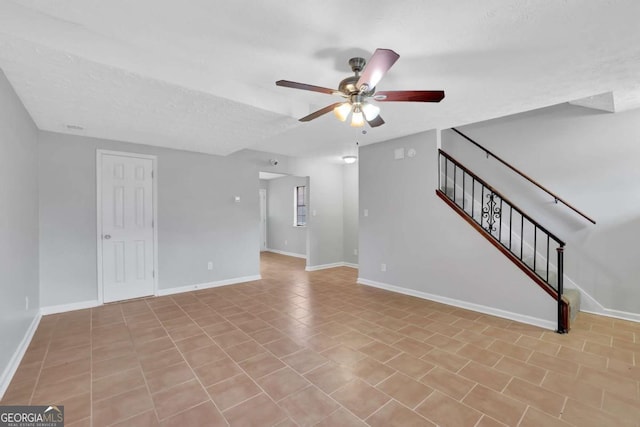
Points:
[(529, 245)]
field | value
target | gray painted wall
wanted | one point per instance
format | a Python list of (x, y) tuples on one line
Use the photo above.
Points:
[(281, 234), (589, 158), (198, 220), (325, 243), (18, 223), (425, 245), (350, 206)]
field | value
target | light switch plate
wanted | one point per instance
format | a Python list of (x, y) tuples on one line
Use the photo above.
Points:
[(398, 153)]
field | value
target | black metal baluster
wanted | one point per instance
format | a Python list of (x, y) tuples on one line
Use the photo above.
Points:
[(535, 244), (547, 258), (439, 171), (473, 196), (500, 225), (446, 176), (455, 175), (510, 222), (521, 237), (562, 328), (463, 191)]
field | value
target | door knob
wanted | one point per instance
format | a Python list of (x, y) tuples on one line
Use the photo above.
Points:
[(107, 236)]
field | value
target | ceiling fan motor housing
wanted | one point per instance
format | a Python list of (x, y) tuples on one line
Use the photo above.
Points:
[(348, 85)]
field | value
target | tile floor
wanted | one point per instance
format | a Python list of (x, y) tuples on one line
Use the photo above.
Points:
[(300, 348)]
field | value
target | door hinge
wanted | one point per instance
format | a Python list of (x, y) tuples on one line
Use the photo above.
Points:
[(153, 274), (152, 174)]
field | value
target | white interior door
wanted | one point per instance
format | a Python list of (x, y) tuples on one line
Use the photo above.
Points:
[(127, 227), (263, 219)]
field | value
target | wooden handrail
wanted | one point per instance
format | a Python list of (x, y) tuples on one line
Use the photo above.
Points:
[(556, 198)]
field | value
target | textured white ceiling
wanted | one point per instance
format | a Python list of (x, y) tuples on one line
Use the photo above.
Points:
[(199, 75)]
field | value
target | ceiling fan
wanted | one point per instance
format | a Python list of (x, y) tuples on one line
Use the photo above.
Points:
[(360, 89)]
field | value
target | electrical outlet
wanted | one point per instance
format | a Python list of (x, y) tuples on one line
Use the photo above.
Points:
[(383, 267), (26, 303), (286, 242), (366, 212), (210, 265), (355, 252)]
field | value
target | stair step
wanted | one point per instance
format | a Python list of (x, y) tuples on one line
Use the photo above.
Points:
[(573, 296)]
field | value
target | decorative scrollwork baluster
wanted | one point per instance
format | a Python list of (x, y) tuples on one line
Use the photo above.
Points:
[(491, 212)]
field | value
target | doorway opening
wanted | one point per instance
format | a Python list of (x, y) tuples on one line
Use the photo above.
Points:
[(284, 215)]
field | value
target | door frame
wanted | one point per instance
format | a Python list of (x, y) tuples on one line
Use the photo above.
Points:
[(154, 177), (262, 191)]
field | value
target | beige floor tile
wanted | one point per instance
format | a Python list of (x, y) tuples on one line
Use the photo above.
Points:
[(343, 355), (405, 390), (486, 376), (522, 370), (121, 382), (145, 419), (205, 414), (444, 359), (194, 342), (179, 398), (536, 418), (582, 415), (309, 406), (164, 378), (445, 411), (306, 335), (360, 398), (395, 415), (535, 396), (578, 390), (304, 360), (217, 371), (410, 365), (119, 407), (496, 405), (283, 347), (204, 355), (235, 390), (257, 411), (261, 365), (371, 370), (512, 350), (282, 383), (480, 355)]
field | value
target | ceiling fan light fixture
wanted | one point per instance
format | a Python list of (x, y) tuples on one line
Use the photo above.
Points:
[(342, 111), (357, 118), (370, 111), (349, 159)]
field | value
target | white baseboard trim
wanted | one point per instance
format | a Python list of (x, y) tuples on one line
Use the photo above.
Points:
[(590, 305), (63, 308), (332, 265), (547, 324), (617, 314), (293, 254), (14, 363), (190, 288)]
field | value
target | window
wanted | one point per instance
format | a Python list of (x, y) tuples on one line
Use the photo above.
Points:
[(300, 206)]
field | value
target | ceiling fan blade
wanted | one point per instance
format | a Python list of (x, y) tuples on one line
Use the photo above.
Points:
[(409, 95), (304, 86), (377, 121), (320, 112), (377, 67)]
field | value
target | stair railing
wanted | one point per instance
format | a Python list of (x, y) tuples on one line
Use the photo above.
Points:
[(556, 198), (515, 233)]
